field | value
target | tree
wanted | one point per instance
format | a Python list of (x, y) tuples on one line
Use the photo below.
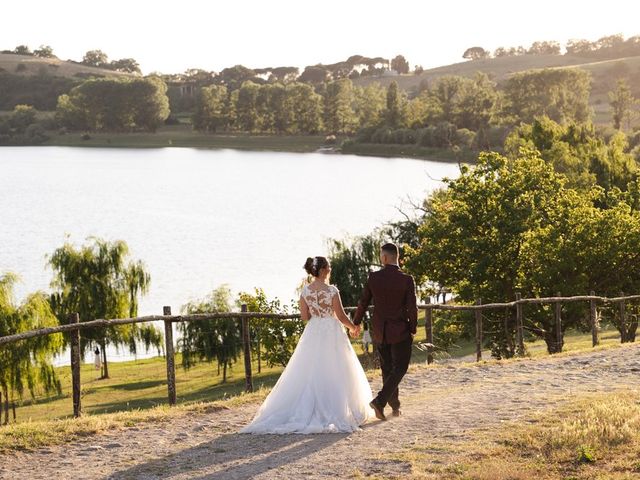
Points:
[(246, 107), (211, 109), (577, 151), (561, 94), (475, 53), (351, 262), (26, 365), (210, 340), (278, 339), (22, 50), (580, 47), (306, 107), (314, 74), (400, 64), (339, 116), (472, 234), (369, 104), (21, 117), (544, 48), (395, 114), (121, 104), (621, 101), (45, 51), (95, 58), (97, 281), (234, 77), (475, 103), (126, 65), (418, 70)]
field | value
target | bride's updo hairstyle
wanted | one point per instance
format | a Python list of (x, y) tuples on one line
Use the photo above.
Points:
[(313, 265)]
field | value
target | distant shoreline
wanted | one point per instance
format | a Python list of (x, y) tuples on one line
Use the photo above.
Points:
[(172, 137)]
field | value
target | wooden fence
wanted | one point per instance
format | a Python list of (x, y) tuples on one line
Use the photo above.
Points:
[(75, 326)]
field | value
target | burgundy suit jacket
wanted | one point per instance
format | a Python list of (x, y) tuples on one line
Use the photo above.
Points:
[(395, 316)]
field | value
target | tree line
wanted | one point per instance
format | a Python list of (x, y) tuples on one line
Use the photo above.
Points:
[(607, 47)]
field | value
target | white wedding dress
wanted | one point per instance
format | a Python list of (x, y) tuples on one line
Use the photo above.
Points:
[(323, 389)]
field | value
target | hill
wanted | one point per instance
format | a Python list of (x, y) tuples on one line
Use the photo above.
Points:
[(502, 67), (29, 65), (604, 74)]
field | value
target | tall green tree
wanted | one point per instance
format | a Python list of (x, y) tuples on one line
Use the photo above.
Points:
[(339, 116), (210, 340), (561, 94), (248, 118), (369, 104), (396, 112), (621, 101), (98, 280), (26, 365), (211, 109)]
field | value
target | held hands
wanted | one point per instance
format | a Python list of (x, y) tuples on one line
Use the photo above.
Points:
[(355, 330)]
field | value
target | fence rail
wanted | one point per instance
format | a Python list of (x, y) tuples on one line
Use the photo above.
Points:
[(75, 326)]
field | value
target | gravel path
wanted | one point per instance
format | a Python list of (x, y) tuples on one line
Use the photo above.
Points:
[(441, 403)]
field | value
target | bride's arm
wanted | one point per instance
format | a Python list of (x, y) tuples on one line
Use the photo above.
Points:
[(304, 310), (340, 313)]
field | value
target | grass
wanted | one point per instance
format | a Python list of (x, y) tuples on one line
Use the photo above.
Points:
[(183, 136), (411, 151), (592, 437), (51, 66)]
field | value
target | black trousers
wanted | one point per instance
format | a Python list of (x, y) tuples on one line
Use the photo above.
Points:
[(394, 362)]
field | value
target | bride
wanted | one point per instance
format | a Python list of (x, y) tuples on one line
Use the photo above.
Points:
[(323, 388)]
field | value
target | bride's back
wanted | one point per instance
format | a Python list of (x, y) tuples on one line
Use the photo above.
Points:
[(319, 300)]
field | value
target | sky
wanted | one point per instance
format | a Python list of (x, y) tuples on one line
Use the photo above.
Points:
[(170, 37)]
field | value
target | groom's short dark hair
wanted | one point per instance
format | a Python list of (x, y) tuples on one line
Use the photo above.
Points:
[(390, 249)]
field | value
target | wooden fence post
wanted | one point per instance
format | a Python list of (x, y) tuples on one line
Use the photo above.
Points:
[(428, 325), (623, 322), (259, 349), (170, 357), (478, 315), (75, 366), (519, 327), (593, 314), (246, 341), (558, 315)]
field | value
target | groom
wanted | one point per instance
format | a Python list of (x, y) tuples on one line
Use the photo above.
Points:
[(395, 318)]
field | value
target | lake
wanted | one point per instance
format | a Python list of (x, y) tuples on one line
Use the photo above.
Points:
[(198, 218)]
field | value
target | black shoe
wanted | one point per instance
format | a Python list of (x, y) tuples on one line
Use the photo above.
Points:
[(396, 412), (378, 410)]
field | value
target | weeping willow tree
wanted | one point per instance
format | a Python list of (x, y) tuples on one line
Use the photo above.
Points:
[(210, 340), (97, 281), (26, 365)]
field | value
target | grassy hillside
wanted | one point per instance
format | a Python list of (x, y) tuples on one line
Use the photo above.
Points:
[(604, 73), (9, 63), (501, 68)]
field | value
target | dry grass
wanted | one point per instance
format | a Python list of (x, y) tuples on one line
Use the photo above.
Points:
[(594, 437), (36, 434), (52, 66)]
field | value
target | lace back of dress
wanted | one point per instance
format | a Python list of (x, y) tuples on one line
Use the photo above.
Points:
[(319, 301)]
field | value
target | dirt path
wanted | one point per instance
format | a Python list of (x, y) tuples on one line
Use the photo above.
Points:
[(439, 403)]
